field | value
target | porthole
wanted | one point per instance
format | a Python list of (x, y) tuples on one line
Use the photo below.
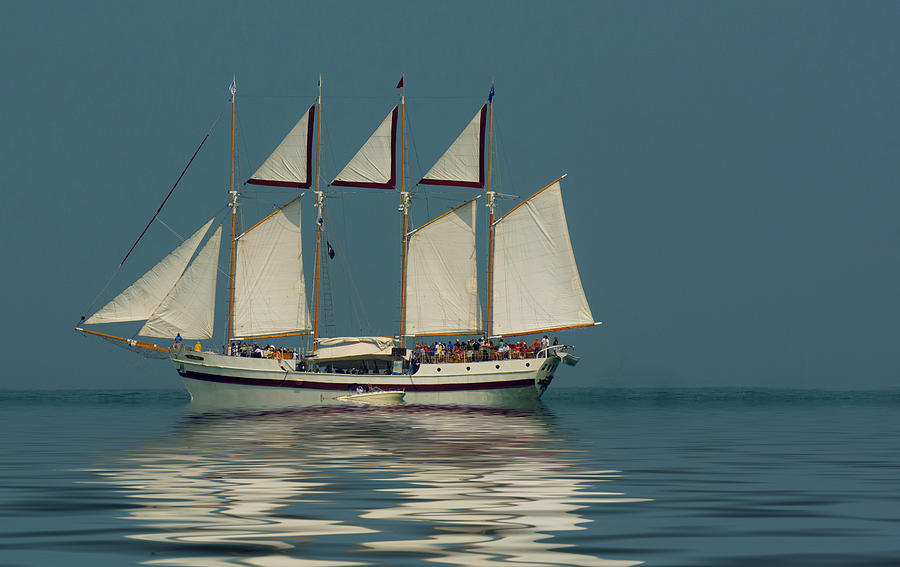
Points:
[(497, 366), (439, 369), (468, 368), (527, 364)]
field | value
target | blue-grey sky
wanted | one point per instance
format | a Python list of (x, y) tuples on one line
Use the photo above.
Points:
[(732, 189)]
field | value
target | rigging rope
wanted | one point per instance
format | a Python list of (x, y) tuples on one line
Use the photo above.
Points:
[(116, 271), (172, 190)]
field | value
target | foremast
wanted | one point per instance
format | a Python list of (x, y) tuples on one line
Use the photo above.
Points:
[(233, 203)]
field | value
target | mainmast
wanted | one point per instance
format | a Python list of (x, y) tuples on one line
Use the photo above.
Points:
[(491, 204), (232, 202), (320, 206), (404, 208)]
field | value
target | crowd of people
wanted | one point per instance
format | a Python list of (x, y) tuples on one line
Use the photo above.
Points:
[(480, 350), (253, 350)]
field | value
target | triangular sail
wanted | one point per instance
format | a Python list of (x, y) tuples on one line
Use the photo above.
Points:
[(463, 163), (290, 163), (189, 308), (269, 290), (138, 301), (373, 165), (536, 286), (442, 281)]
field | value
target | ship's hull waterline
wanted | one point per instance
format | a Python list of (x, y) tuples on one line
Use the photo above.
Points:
[(219, 380)]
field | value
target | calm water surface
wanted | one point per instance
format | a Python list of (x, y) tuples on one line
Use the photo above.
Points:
[(589, 477)]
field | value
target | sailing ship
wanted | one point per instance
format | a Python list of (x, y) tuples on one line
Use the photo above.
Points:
[(533, 287)]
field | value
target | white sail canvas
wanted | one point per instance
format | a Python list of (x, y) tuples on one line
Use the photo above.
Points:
[(373, 164), (463, 162), (269, 289), (138, 301), (290, 163), (536, 285), (189, 308), (441, 276)]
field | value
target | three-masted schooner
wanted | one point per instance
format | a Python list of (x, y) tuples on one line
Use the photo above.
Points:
[(533, 287)]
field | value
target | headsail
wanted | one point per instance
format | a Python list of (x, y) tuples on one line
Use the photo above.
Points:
[(536, 283), (374, 164), (270, 292), (291, 162), (442, 281), (138, 301), (189, 307), (463, 162)]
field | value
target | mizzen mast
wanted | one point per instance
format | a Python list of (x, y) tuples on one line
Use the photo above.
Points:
[(320, 206), (492, 206)]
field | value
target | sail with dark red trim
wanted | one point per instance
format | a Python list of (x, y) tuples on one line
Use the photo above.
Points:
[(374, 164), (290, 163), (462, 165)]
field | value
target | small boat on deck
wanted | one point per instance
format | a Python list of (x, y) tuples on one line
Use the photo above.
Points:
[(378, 398)]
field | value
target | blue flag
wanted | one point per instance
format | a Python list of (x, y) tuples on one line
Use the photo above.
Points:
[(233, 87), (491, 96), (330, 250)]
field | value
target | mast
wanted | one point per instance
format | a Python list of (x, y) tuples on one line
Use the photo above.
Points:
[(232, 202), (404, 208), (320, 206), (491, 204)]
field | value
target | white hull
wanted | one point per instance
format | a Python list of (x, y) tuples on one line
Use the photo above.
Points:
[(220, 380)]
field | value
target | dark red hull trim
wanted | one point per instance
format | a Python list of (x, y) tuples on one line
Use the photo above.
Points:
[(312, 385)]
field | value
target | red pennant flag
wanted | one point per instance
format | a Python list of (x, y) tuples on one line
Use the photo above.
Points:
[(400, 84)]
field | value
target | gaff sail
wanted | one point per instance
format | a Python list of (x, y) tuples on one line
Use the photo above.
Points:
[(270, 291), (537, 287), (441, 276)]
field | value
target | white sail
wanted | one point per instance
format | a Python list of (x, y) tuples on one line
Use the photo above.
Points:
[(536, 286), (441, 276), (463, 162), (269, 289), (290, 163), (373, 164), (189, 307), (137, 301)]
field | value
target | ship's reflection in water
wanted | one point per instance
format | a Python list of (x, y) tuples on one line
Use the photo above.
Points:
[(361, 486)]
